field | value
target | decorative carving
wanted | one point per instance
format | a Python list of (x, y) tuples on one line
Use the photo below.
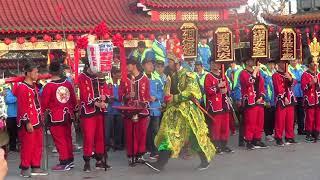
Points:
[(189, 16), (259, 41), (189, 40), (223, 45), (168, 16), (288, 44), (211, 16)]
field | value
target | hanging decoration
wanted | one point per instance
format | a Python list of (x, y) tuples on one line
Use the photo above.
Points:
[(141, 37), (20, 40), (259, 41), (47, 38), (7, 41), (288, 44), (223, 48), (101, 30), (58, 37), (119, 42), (129, 37), (152, 37), (33, 39), (70, 37), (189, 34)]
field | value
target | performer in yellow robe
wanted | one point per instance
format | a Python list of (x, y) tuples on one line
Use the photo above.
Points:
[(182, 121)]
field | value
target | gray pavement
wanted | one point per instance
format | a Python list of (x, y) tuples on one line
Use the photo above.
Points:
[(295, 162)]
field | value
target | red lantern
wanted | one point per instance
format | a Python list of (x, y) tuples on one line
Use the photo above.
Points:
[(298, 31), (152, 37), (33, 39), (316, 27), (70, 37), (47, 38), (141, 37), (58, 37), (279, 29), (307, 30), (106, 36), (129, 37), (247, 30), (271, 29), (20, 40), (118, 35), (7, 41)]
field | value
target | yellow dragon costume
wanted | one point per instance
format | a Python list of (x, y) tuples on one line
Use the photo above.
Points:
[(183, 120)]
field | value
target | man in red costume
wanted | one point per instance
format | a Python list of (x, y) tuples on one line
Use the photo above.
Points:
[(311, 90), (284, 100), (135, 91), (59, 100), (216, 90), (94, 96), (30, 123), (253, 93)]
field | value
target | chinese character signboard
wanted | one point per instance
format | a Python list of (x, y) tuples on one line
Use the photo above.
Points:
[(288, 44), (100, 57), (223, 45), (259, 41), (189, 40)]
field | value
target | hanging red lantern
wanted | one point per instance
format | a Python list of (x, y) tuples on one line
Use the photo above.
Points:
[(316, 27), (279, 29), (118, 35), (33, 39), (141, 37), (47, 38), (129, 37), (20, 40), (106, 36), (70, 37), (298, 31), (152, 37), (7, 41), (247, 30), (307, 30), (58, 37), (271, 29)]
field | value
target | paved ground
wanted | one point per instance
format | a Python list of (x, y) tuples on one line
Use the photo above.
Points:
[(279, 163)]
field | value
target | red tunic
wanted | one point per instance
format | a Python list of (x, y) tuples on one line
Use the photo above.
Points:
[(28, 105), (59, 98), (91, 89), (310, 93), (282, 89), (141, 89), (251, 88), (216, 101)]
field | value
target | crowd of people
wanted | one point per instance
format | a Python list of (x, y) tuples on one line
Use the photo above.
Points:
[(179, 104)]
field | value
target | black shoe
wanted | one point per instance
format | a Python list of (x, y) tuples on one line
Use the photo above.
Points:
[(154, 166), (259, 144), (100, 165), (219, 150), (87, 167), (140, 160), (279, 142), (226, 149), (203, 166), (290, 141), (250, 146), (309, 139)]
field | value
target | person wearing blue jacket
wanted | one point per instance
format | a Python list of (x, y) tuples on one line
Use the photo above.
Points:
[(232, 74), (204, 53), (11, 102), (269, 110), (295, 69), (114, 123), (156, 93)]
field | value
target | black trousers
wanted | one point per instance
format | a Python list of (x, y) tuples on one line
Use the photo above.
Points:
[(13, 132), (299, 116), (114, 130), (152, 131), (269, 120)]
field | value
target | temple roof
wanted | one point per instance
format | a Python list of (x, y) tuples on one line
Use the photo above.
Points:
[(81, 16), (301, 19), (193, 3)]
